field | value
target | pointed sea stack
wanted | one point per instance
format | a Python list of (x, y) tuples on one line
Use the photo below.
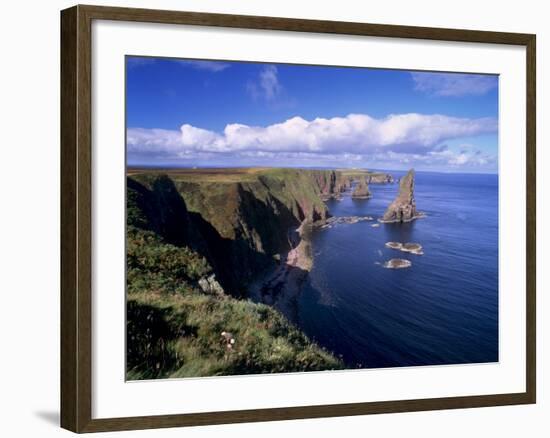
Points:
[(403, 208), (361, 190)]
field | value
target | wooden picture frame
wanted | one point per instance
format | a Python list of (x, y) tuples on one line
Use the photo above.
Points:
[(76, 217)]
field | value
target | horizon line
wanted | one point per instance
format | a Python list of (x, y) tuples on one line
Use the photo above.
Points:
[(373, 169)]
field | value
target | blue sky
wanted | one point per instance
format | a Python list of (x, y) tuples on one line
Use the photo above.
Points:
[(220, 113)]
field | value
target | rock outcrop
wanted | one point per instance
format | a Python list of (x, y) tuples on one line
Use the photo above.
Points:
[(361, 190), (210, 285), (413, 248), (397, 264), (403, 207)]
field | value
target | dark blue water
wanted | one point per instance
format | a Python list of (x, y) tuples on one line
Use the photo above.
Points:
[(441, 310)]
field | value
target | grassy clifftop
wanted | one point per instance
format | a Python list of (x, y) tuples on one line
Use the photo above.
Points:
[(174, 329), (176, 335)]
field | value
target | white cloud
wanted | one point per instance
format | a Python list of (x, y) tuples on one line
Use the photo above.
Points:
[(158, 141), (454, 84), (212, 66), (267, 85), (354, 134)]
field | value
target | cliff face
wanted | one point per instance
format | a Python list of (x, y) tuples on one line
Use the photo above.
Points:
[(331, 183), (403, 208), (154, 204), (241, 226), (361, 190)]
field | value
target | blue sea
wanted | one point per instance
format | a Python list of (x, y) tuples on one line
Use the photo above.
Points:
[(441, 310)]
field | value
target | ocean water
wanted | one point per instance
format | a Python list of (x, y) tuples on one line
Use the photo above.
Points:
[(441, 310)]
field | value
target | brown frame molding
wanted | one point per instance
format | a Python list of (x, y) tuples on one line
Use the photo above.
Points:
[(76, 239)]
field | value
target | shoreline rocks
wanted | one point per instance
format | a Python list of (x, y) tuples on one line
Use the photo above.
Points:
[(335, 220), (282, 287)]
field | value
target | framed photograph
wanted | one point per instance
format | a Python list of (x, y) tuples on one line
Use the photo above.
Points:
[(269, 218)]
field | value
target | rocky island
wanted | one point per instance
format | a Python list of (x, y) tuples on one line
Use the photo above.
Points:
[(397, 264), (413, 248), (403, 207)]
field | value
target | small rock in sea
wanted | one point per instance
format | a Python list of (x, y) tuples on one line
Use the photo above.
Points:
[(397, 264), (413, 248), (375, 225), (394, 245), (348, 219)]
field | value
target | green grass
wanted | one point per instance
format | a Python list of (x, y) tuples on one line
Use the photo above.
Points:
[(184, 338), (175, 330), (147, 252)]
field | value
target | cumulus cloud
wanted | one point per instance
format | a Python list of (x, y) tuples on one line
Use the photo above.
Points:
[(454, 84), (463, 158), (354, 134), (266, 85)]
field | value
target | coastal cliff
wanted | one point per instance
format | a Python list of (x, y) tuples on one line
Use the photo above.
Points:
[(403, 207), (243, 220), (193, 242), (331, 183), (197, 241)]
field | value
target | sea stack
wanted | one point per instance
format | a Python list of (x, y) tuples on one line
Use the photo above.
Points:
[(361, 190), (403, 207)]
